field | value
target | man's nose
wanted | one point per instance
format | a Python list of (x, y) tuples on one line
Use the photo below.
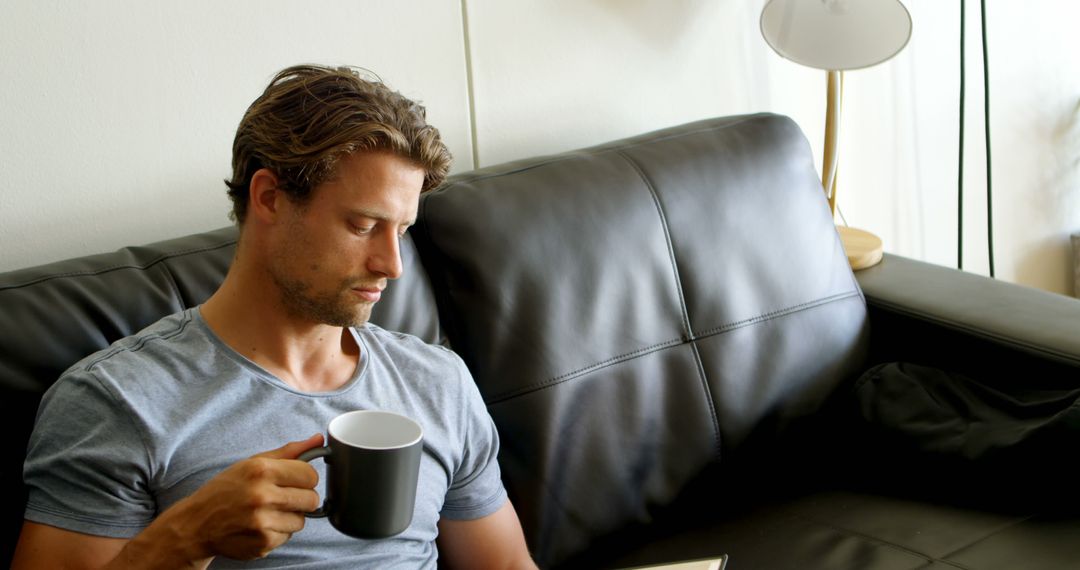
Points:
[(386, 259)]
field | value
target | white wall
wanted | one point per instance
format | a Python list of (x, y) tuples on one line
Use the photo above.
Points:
[(117, 117)]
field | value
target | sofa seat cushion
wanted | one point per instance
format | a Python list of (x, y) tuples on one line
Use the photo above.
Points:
[(851, 530)]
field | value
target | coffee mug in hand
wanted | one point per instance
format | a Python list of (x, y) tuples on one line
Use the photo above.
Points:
[(372, 467)]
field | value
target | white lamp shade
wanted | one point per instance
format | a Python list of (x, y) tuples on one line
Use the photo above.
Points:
[(836, 34)]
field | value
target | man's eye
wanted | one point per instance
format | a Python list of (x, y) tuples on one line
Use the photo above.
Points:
[(362, 230)]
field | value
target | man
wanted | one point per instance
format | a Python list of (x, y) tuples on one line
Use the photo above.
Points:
[(145, 455)]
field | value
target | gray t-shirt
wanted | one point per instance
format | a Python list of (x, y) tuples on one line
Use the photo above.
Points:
[(129, 431)]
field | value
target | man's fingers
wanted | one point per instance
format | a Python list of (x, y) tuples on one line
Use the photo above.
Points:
[(295, 500), (293, 449), (257, 544), (280, 522), (278, 473)]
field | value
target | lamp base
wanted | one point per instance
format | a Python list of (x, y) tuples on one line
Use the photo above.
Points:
[(863, 248)]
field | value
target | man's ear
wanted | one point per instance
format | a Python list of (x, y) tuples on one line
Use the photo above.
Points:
[(263, 196)]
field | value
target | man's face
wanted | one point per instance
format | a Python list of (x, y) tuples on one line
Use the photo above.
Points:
[(334, 255)]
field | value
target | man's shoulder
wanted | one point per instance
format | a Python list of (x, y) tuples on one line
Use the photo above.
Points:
[(431, 366), (127, 374), (404, 344), (135, 368)]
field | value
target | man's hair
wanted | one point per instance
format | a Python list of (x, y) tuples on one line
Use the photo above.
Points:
[(311, 116)]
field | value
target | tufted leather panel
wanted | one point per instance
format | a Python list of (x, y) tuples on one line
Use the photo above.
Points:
[(631, 318), (55, 314)]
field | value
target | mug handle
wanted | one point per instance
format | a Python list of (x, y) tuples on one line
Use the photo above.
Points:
[(308, 456)]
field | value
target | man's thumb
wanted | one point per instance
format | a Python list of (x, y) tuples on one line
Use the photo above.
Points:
[(293, 449)]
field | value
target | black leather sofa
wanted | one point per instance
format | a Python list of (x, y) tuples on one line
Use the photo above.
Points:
[(676, 354)]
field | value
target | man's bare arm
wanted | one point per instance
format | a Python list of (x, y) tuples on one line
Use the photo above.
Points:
[(245, 512), (42, 546), (495, 541)]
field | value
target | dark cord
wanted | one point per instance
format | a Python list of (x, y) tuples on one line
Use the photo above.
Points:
[(986, 109), (960, 175)]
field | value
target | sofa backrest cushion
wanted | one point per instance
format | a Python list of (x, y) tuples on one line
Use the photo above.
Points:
[(636, 311)]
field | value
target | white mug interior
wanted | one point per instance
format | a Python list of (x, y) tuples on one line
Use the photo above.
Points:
[(374, 429)]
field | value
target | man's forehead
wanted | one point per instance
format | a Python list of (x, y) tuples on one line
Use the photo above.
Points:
[(377, 185)]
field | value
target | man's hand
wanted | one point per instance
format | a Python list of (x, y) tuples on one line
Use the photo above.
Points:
[(244, 512), (252, 507)]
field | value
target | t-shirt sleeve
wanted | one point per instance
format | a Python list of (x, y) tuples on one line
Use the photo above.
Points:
[(476, 489), (86, 466)]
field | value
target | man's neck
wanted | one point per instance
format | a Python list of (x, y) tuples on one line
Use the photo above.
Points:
[(309, 356)]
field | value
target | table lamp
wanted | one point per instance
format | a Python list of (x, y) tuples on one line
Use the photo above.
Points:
[(838, 35)]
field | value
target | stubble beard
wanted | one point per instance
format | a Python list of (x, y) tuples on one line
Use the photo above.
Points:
[(333, 308)]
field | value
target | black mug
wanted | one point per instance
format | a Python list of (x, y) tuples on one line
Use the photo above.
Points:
[(372, 469)]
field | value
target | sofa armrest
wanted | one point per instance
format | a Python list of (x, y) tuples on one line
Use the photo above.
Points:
[(1009, 356), (951, 319)]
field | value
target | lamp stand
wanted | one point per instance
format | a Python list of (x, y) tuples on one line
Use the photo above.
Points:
[(863, 248)]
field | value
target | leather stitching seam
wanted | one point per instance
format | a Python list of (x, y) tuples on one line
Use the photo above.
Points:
[(582, 371), (161, 258), (774, 314), (682, 297), (551, 382), (882, 542)]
